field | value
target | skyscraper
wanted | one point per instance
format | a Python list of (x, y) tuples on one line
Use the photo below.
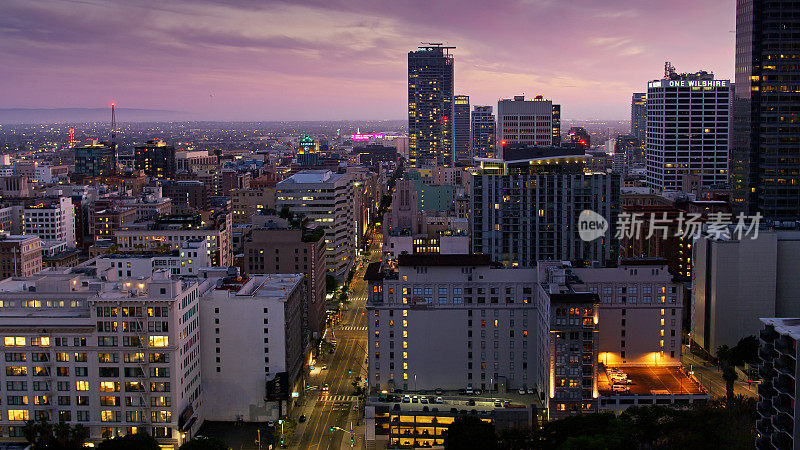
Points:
[(461, 133), (156, 158), (526, 205), (639, 115), (525, 121), (765, 157), (556, 124), (430, 105), (483, 129), (688, 118)]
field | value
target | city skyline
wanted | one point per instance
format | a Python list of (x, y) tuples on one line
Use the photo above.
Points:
[(282, 61)]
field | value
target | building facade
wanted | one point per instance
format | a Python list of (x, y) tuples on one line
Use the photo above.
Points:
[(455, 321), (639, 116), (777, 426), (688, 119), (430, 106), (462, 143), (525, 121), (156, 158), (20, 256), (52, 219), (327, 199), (282, 250), (483, 132), (765, 164), (117, 357)]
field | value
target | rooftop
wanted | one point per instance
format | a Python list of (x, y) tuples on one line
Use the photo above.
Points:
[(437, 259), (788, 326)]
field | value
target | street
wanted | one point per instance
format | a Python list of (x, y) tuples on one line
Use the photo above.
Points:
[(710, 377), (331, 416)]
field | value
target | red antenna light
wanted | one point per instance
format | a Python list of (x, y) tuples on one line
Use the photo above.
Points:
[(72, 138)]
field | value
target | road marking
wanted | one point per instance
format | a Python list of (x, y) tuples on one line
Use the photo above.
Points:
[(339, 398), (353, 328)]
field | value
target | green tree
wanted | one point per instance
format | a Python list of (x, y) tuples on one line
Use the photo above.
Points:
[(746, 350), (468, 432), (138, 441), (204, 444), (516, 438), (61, 436)]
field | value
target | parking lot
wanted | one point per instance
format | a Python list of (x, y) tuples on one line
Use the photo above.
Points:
[(650, 380)]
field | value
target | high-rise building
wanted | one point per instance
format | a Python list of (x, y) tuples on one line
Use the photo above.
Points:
[(483, 132), (52, 219), (523, 121), (97, 159), (687, 130), (308, 153), (778, 411), (326, 198), (273, 249), (639, 115), (765, 158), (556, 125), (461, 130), (156, 158), (526, 205), (430, 106)]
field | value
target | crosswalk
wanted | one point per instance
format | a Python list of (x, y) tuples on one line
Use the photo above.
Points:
[(338, 398), (352, 328)]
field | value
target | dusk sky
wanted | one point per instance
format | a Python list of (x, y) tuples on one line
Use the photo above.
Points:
[(347, 59)]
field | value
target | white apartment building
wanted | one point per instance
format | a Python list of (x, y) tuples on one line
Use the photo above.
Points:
[(52, 219), (453, 321), (326, 198), (251, 333), (640, 312), (187, 261), (688, 125), (117, 356), (525, 121)]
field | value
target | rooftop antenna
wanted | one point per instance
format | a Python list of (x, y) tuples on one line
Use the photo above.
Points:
[(669, 69), (114, 136)]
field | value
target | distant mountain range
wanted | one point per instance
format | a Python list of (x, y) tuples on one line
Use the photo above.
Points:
[(82, 115)]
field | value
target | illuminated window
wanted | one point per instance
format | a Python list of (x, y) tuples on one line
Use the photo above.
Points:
[(662, 322), (18, 414), (405, 344), (11, 341), (159, 341), (106, 386), (405, 312), (84, 385), (405, 323), (405, 333), (405, 376), (405, 355)]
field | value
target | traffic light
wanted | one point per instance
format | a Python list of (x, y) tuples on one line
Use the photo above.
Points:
[(331, 428), (349, 371)]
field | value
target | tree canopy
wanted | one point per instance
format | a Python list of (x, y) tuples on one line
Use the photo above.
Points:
[(138, 441), (204, 444), (470, 432)]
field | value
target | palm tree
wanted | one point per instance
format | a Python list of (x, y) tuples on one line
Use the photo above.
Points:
[(62, 431), (729, 375), (79, 435), (30, 431)]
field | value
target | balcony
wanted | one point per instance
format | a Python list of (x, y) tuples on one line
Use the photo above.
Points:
[(766, 371), (766, 409), (785, 344), (766, 352), (764, 426), (783, 422), (784, 384), (781, 440), (768, 334), (766, 390), (763, 443), (783, 404), (785, 365)]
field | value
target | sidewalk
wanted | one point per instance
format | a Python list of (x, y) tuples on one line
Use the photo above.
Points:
[(710, 376)]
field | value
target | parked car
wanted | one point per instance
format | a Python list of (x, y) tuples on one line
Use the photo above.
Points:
[(478, 391), (301, 419), (498, 404), (471, 402), (439, 400), (620, 388), (530, 390), (468, 391), (423, 400), (521, 391), (325, 388), (438, 391), (406, 399), (415, 399)]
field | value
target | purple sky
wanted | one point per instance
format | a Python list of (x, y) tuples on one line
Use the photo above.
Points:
[(346, 59)]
